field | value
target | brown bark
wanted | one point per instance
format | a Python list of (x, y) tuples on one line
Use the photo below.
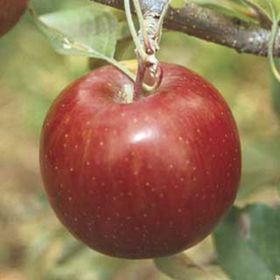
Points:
[(214, 27)]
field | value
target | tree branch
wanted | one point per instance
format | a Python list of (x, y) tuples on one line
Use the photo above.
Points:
[(214, 27)]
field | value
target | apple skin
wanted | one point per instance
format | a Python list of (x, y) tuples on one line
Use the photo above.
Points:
[(10, 13), (140, 180)]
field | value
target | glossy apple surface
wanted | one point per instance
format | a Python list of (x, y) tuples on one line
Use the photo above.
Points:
[(145, 179), (10, 13)]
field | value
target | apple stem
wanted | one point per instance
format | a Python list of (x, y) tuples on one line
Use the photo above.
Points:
[(132, 29), (139, 80), (150, 18)]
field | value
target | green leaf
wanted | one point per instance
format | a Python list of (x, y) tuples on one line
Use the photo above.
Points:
[(181, 267), (248, 243), (123, 30), (86, 31)]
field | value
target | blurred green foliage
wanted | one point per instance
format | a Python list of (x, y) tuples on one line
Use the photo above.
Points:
[(33, 244), (254, 250)]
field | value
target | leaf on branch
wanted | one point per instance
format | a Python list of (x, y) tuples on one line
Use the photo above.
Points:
[(123, 30), (86, 31), (181, 267), (248, 243)]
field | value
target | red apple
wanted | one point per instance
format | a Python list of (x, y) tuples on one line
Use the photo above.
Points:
[(10, 12), (145, 179)]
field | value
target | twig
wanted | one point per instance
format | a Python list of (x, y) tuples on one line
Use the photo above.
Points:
[(212, 26)]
